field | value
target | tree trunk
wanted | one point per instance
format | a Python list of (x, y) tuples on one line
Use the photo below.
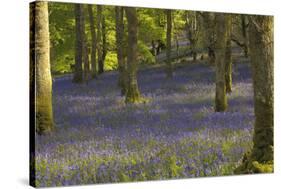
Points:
[(208, 20), (221, 34), (93, 41), (119, 16), (43, 79), (261, 54), (169, 68), (85, 48), (245, 35), (104, 45), (133, 94), (99, 38), (228, 56), (191, 25), (78, 72)]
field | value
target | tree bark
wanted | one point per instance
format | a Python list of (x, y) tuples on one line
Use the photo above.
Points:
[(245, 35), (209, 25), (191, 25), (133, 94), (78, 72), (93, 41), (99, 38), (261, 54), (43, 79), (119, 20), (169, 68), (104, 43), (220, 45), (228, 56), (85, 47)]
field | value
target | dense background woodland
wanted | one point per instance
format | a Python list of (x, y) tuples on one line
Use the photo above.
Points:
[(132, 94)]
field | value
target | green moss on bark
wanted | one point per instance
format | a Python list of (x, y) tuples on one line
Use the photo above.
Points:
[(260, 159)]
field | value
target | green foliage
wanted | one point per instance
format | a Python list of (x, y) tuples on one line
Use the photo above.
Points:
[(111, 61), (149, 27), (145, 56), (62, 35)]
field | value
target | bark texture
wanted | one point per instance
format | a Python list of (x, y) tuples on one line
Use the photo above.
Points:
[(85, 58), (209, 35), (228, 56), (104, 44), (99, 38), (220, 45), (119, 20), (260, 159), (133, 94), (245, 35), (169, 68), (78, 71), (43, 79), (93, 41)]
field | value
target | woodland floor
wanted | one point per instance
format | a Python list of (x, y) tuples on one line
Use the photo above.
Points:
[(177, 134)]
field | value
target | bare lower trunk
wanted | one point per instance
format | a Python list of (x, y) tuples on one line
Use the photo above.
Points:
[(221, 31), (133, 94)]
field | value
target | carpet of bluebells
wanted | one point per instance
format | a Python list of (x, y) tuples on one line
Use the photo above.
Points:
[(176, 134)]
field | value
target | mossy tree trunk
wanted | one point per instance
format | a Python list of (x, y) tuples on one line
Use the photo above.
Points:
[(220, 45), (261, 54), (169, 68), (78, 71), (43, 79), (119, 21), (99, 38), (93, 41), (228, 56), (133, 94)]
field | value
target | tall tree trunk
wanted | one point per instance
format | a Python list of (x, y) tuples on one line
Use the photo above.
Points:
[(133, 94), (32, 113), (220, 44), (245, 35), (169, 68), (119, 20), (93, 41), (228, 56), (191, 26), (78, 72), (104, 43), (43, 79), (261, 54), (208, 20), (85, 57), (99, 38)]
